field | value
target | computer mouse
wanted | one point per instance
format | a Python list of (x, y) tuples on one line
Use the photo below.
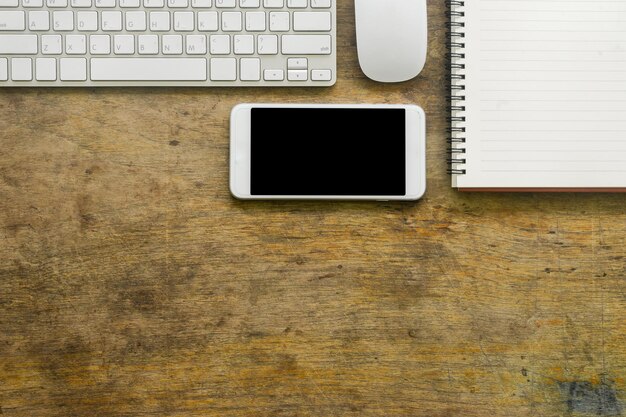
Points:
[(391, 38)]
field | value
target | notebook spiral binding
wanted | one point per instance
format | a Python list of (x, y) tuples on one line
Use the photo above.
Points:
[(456, 75)]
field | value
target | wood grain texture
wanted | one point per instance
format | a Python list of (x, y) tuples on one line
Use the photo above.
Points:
[(132, 284)]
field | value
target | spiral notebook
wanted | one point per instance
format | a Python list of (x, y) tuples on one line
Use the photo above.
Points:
[(538, 95)]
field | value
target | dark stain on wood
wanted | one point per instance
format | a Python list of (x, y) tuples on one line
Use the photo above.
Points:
[(592, 399)]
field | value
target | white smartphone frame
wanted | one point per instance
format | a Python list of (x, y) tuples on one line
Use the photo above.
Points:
[(240, 150)]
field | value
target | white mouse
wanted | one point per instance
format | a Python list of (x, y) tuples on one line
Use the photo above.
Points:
[(391, 38)]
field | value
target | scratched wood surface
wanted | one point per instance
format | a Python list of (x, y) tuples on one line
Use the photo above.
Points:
[(132, 284)]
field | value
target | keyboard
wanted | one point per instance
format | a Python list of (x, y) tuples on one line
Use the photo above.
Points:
[(204, 43)]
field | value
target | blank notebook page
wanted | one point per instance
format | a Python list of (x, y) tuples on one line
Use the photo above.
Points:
[(545, 94)]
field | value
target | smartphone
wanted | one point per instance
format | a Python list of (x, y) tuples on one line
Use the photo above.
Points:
[(327, 152)]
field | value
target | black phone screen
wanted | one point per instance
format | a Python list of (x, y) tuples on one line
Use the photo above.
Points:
[(328, 152)]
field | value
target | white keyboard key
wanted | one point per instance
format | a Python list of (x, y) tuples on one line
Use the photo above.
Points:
[(100, 44), (12, 20), (46, 69), (4, 69), (80, 3), (273, 75), (297, 64), (223, 69), (39, 20), (160, 21), (320, 4), (148, 69), (220, 44), (75, 44), (172, 44), (111, 21), (311, 21), (249, 4), (18, 44), (297, 4), (306, 44), (297, 75), (129, 3), (153, 4), (231, 21), (321, 75), (255, 21), (123, 44), (250, 69), (105, 3), (8, 3), (73, 69), (207, 21), (32, 3), (225, 3), (148, 44), (273, 4), (279, 21), (136, 21), (56, 3), (183, 21), (201, 4), (267, 44), (63, 21), (244, 44), (87, 21), (196, 44), (21, 69), (178, 4), (51, 44)]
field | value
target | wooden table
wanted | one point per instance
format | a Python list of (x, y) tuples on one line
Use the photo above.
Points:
[(132, 284)]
